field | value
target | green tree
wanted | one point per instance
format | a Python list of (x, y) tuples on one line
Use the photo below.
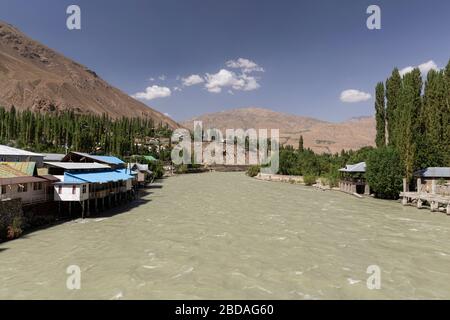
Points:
[(301, 148), (384, 172), (393, 86), (431, 150), (380, 115), (408, 120)]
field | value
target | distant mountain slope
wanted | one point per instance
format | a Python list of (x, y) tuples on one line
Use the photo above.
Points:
[(33, 76), (321, 136)]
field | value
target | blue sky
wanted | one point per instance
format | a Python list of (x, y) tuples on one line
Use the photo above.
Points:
[(304, 53)]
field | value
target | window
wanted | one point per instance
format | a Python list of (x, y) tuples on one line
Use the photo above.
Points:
[(74, 189), (22, 187), (37, 186), (59, 189), (3, 189), (84, 188)]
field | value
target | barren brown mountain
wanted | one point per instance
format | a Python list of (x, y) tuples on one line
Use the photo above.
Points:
[(320, 136), (35, 77)]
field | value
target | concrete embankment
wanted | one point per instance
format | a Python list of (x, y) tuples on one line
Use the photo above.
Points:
[(279, 178)]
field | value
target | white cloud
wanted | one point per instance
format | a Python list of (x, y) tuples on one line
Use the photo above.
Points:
[(424, 68), (151, 79), (192, 80), (245, 65), (177, 89), (228, 79), (153, 92), (351, 96), (162, 77), (167, 115)]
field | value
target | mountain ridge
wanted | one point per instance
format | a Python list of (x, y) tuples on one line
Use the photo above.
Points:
[(321, 136), (36, 77)]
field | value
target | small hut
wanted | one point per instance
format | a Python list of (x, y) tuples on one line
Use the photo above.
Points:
[(353, 179), (432, 188), (434, 180)]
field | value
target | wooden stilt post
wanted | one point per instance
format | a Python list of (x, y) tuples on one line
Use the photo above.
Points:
[(433, 186), (419, 185), (82, 209)]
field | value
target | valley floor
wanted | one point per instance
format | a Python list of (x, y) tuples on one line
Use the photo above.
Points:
[(227, 236)]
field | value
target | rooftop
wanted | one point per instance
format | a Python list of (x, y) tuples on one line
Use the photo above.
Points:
[(10, 151), (105, 159), (53, 156), (434, 172), (78, 165), (354, 168), (97, 177), (17, 169)]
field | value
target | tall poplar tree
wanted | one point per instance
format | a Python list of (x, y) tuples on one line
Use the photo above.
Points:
[(408, 120), (393, 86), (380, 115), (301, 147)]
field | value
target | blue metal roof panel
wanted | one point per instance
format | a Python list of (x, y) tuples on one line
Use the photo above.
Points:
[(97, 177), (108, 159)]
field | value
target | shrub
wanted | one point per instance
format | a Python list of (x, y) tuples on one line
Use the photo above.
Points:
[(181, 169), (157, 168), (309, 180), (253, 171), (384, 173)]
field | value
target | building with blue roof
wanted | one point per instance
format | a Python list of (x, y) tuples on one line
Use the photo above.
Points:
[(92, 181), (81, 157)]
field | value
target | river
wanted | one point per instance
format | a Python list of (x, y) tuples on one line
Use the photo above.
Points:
[(228, 236)]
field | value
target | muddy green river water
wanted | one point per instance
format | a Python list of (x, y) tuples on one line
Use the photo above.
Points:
[(227, 236)]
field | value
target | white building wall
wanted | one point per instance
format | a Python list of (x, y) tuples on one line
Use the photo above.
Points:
[(67, 193), (30, 196)]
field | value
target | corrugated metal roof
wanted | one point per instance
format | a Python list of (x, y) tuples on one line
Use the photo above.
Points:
[(97, 177), (53, 156), (105, 159), (434, 172), (354, 168), (139, 167), (10, 151), (49, 177), (17, 169), (78, 165), (17, 180)]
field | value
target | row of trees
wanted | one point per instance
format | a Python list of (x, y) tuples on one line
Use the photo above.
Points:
[(306, 163), (414, 118), (56, 132)]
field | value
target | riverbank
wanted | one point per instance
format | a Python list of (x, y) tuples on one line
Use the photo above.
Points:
[(225, 236)]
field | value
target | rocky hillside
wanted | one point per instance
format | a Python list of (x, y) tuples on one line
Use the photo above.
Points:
[(35, 77), (321, 136)]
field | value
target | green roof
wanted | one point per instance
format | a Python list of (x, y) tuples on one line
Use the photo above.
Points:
[(150, 158), (17, 169)]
